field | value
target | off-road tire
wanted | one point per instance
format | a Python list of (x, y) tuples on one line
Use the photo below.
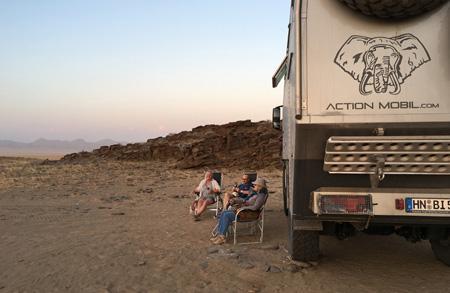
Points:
[(393, 8), (441, 249), (303, 245)]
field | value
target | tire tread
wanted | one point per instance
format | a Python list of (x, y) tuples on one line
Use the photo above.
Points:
[(305, 246), (393, 8)]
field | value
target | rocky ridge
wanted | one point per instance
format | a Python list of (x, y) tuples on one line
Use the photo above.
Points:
[(242, 144)]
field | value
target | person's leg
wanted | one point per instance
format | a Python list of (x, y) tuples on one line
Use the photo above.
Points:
[(193, 206), (198, 205), (201, 206), (225, 220)]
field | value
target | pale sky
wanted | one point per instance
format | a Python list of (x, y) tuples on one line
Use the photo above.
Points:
[(132, 70)]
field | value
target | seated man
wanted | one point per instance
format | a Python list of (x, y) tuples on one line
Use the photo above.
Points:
[(207, 189), (254, 203), (243, 191)]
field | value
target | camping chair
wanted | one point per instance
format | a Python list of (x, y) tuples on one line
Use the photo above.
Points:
[(253, 219), (218, 202), (252, 175), (217, 207)]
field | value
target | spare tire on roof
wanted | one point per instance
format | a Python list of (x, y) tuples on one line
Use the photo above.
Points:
[(393, 8)]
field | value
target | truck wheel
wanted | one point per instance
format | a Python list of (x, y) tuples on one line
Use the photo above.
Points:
[(441, 249), (303, 245), (393, 8)]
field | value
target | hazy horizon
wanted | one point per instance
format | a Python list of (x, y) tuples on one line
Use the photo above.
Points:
[(128, 72)]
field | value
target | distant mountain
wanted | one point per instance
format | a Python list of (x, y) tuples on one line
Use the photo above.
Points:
[(44, 146)]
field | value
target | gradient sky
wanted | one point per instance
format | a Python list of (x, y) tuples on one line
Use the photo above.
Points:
[(132, 70)]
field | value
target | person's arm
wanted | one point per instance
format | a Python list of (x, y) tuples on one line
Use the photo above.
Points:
[(246, 192), (257, 204), (216, 187), (243, 191)]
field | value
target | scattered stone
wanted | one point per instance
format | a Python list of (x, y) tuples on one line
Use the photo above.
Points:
[(203, 265), (118, 214), (269, 247), (212, 249), (225, 253), (314, 263), (146, 190), (291, 268), (202, 285), (225, 250), (273, 269), (118, 198), (243, 264), (254, 289), (141, 263), (301, 264)]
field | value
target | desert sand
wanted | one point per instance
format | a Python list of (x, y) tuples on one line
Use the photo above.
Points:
[(117, 226)]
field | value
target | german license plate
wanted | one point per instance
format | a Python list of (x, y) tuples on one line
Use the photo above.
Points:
[(427, 205)]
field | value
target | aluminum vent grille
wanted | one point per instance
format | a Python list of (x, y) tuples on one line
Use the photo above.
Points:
[(400, 155)]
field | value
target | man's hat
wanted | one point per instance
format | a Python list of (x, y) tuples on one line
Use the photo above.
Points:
[(260, 181)]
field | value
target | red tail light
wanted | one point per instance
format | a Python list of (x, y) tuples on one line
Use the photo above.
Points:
[(345, 204)]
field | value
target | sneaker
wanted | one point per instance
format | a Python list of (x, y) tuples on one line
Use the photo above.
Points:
[(219, 240), (195, 216)]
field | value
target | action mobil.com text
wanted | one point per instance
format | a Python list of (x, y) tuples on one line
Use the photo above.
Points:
[(393, 105)]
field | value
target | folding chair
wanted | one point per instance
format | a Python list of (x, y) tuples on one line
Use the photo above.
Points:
[(218, 199), (253, 219), (252, 175), (218, 202)]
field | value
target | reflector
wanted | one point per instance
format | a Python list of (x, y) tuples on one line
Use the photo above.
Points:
[(400, 204)]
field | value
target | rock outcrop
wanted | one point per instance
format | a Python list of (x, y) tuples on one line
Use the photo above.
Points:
[(242, 144)]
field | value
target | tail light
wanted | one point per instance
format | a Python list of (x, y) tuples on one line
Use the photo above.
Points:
[(345, 204)]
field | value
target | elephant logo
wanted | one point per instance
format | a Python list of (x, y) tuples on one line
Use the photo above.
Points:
[(381, 64)]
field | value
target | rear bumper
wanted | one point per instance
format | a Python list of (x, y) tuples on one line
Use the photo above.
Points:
[(383, 207)]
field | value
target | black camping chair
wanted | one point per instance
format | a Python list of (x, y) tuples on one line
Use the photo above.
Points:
[(252, 175), (218, 196)]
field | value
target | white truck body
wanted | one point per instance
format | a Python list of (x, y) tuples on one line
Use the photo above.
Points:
[(334, 42), (366, 123)]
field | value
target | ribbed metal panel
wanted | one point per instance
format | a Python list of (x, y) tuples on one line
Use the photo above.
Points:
[(428, 155)]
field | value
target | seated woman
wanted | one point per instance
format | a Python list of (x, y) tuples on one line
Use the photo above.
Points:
[(207, 189), (243, 191), (254, 203)]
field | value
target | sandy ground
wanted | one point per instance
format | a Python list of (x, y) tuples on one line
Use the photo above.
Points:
[(124, 227)]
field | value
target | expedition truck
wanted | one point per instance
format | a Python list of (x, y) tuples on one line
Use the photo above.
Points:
[(366, 122)]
